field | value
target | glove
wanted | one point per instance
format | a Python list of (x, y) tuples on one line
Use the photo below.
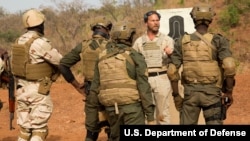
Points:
[(178, 101), (153, 122)]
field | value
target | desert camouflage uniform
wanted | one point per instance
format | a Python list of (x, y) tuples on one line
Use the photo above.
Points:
[(35, 109)]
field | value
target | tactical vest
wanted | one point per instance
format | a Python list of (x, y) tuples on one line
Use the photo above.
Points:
[(116, 86), (198, 65), (90, 55), (21, 63), (152, 52)]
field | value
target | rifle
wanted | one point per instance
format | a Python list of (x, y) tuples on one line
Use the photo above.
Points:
[(8, 77)]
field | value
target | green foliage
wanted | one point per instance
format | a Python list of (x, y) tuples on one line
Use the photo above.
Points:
[(158, 4), (229, 17), (9, 36), (181, 2), (69, 23)]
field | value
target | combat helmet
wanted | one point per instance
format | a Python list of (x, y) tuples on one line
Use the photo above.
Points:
[(32, 18), (202, 13), (101, 22), (123, 33)]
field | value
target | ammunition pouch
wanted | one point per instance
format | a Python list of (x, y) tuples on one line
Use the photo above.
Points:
[(44, 86)]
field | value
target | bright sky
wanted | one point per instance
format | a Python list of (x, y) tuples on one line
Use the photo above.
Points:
[(21, 5)]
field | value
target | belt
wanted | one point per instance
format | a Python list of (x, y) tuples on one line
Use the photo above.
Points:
[(156, 73)]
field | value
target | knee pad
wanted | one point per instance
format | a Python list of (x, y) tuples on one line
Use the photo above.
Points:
[(39, 134), (172, 73), (229, 66), (24, 134)]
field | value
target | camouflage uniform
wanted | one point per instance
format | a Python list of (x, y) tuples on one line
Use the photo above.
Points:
[(160, 84), (201, 96), (87, 52), (121, 83), (207, 63), (72, 58), (34, 109), (132, 113)]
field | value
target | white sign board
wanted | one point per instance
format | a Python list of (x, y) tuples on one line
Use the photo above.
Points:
[(174, 22)]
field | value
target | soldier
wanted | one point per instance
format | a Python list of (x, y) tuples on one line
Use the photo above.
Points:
[(34, 65), (87, 51), (156, 47), (207, 62), (121, 83)]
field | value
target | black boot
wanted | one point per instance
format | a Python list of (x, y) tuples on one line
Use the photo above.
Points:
[(91, 136)]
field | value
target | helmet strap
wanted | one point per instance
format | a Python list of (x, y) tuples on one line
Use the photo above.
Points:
[(98, 32)]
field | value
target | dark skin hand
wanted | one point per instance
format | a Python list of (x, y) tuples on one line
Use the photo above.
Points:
[(80, 88), (227, 99)]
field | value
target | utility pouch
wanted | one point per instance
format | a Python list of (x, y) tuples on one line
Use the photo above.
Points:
[(44, 86)]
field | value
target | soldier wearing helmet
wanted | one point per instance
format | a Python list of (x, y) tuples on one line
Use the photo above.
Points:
[(34, 64), (208, 71), (87, 52), (120, 82), (156, 48)]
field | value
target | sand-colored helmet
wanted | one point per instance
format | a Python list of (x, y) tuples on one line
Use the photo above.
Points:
[(202, 13), (122, 31), (32, 18), (101, 22)]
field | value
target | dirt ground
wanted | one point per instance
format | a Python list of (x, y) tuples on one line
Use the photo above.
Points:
[(67, 120)]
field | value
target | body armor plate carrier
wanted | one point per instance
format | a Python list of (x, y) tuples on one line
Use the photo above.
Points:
[(22, 67)]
